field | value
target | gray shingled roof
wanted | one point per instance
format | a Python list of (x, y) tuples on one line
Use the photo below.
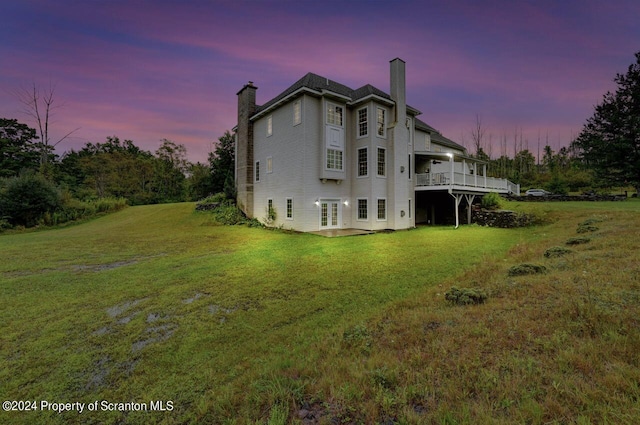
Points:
[(311, 81), (318, 83), (436, 136)]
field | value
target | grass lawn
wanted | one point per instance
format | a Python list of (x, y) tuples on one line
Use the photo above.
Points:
[(244, 325)]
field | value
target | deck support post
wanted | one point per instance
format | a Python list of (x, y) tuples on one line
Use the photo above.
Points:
[(469, 197), (457, 199)]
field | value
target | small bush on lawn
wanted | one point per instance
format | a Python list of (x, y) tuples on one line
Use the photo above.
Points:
[(557, 251), (526, 269), (577, 241), (465, 296), (586, 228), (491, 201), (591, 221)]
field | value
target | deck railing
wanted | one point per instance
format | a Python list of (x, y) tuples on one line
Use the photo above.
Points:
[(467, 180)]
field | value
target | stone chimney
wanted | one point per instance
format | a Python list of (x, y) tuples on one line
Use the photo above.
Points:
[(244, 148)]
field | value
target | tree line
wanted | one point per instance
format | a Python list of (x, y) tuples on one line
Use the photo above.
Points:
[(113, 169), (605, 154)]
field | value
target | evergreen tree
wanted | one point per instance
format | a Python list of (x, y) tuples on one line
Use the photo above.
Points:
[(610, 140), (222, 163)]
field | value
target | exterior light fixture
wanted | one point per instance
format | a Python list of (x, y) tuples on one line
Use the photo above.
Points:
[(317, 203), (346, 203)]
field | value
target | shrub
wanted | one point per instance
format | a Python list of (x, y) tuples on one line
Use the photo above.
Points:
[(24, 200), (219, 198), (491, 201), (586, 228), (557, 185), (526, 269), (556, 251), (577, 241), (465, 296)]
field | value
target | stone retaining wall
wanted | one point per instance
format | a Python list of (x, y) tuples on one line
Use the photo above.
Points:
[(564, 198)]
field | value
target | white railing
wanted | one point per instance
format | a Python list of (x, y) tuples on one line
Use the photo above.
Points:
[(467, 180)]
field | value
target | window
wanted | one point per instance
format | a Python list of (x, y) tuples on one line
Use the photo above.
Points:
[(382, 209), (257, 171), (297, 112), (381, 124), (269, 125), (382, 153), (363, 126), (362, 209), (269, 165), (409, 208), (409, 167), (334, 159), (362, 162), (334, 114), (290, 208)]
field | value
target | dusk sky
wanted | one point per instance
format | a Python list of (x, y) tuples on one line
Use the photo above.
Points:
[(149, 70)]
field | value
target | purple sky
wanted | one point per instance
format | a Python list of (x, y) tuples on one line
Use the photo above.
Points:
[(148, 70)]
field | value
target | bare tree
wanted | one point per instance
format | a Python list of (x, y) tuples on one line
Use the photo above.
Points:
[(39, 105), (477, 134)]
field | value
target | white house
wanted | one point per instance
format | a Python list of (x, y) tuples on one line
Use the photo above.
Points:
[(321, 155)]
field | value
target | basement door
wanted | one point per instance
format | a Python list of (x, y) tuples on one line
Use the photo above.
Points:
[(330, 214)]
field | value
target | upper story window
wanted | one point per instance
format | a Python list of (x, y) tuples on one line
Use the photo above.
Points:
[(334, 159), (363, 122), (382, 162), (381, 122), (257, 171), (269, 125), (334, 114), (362, 162), (297, 112), (269, 165)]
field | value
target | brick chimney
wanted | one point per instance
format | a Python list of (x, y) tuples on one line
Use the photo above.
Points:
[(244, 148)]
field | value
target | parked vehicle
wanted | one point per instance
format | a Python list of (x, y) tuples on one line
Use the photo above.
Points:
[(537, 192)]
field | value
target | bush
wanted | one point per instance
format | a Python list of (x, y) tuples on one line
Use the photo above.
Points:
[(526, 269), (24, 200), (491, 201), (465, 296), (557, 185), (556, 251), (586, 228), (577, 241)]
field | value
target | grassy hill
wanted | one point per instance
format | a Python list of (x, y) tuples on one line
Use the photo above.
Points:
[(244, 325)]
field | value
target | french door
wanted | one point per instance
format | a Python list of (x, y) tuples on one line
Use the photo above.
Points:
[(330, 214)]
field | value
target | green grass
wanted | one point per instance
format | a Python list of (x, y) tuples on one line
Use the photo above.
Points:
[(238, 325)]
